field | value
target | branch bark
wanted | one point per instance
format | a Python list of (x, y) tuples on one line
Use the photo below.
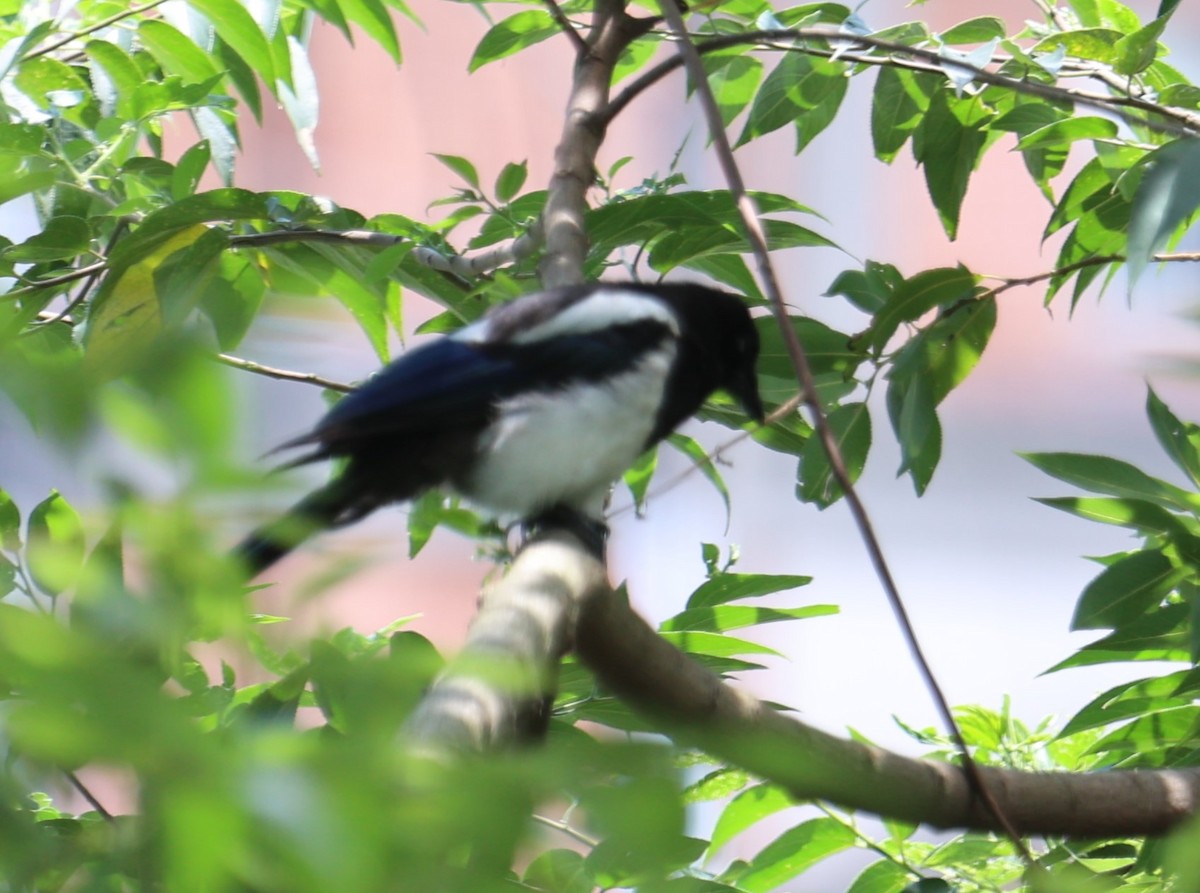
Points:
[(688, 702)]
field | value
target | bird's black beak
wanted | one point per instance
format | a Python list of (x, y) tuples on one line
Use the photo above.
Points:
[(744, 388)]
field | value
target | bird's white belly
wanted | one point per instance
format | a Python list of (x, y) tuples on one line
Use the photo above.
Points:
[(567, 447)]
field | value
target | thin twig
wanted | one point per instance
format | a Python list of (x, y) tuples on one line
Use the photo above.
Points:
[(799, 358), (1181, 121), (564, 23), (283, 374), (88, 795), (564, 828), (91, 29)]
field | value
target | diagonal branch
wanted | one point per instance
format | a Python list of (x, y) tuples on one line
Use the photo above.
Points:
[(1178, 121), (799, 358)]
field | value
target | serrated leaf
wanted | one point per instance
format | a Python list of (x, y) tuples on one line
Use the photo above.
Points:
[(558, 871), (850, 425), (512, 35), (916, 296), (801, 89), (1093, 44), (723, 588), (1126, 590), (1168, 195), (373, 17), (639, 475), (56, 544), (1112, 477), (1136, 514), (947, 144), (900, 100), (734, 81), (913, 412), (1181, 440)]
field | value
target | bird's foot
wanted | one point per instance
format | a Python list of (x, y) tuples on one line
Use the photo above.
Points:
[(592, 533)]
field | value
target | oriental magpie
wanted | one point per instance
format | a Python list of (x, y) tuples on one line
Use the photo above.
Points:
[(532, 411)]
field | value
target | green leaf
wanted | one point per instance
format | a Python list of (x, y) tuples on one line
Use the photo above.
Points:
[(189, 169), (300, 100), (512, 35), (795, 851), (1068, 130), (850, 425), (1138, 698), (175, 52), (1093, 44), (56, 544), (510, 181), (717, 785), (945, 352), (237, 28), (884, 876), (62, 239), (1126, 590), (372, 16), (900, 101), (232, 298), (678, 247), (750, 806), (948, 144), (1181, 440), (800, 89), (1112, 477), (1136, 514), (1136, 51), (460, 166), (558, 871), (1167, 196), (913, 412), (916, 296), (723, 618), (733, 79), (638, 477), (723, 588), (714, 644), (120, 69), (184, 276), (10, 523), (977, 30)]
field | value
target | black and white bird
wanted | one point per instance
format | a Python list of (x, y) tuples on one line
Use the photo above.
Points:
[(531, 412)]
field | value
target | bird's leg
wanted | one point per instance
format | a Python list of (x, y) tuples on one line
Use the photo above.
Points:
[(592, 533)]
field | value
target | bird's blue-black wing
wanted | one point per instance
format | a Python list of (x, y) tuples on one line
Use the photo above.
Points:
[(431, 387)]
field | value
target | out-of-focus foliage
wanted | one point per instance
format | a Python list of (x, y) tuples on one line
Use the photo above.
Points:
[(282, 767)]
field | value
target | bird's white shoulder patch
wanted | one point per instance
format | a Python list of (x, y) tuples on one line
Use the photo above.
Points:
[(601, 309)]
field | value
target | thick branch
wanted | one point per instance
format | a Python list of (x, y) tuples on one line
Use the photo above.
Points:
[(495, 693), (575, 157), (687, 701)]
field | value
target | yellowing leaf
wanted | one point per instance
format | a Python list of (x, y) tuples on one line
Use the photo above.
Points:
[(127, 315)]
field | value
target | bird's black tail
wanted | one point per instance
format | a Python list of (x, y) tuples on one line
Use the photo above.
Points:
[(329, 506)]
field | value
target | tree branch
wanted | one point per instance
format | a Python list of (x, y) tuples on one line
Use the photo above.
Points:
[(495, 693), (575, 156), (283, 374), (1180, 121), (799, 360), (685, 700)]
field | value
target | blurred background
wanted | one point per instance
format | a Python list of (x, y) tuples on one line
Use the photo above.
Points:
[(990, 577)]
